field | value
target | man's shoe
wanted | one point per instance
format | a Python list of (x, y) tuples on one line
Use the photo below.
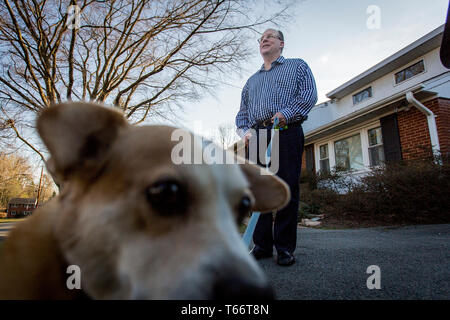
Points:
[(285, 258), (259, 253)]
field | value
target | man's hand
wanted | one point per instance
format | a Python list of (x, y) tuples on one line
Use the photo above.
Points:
[(281, 119)]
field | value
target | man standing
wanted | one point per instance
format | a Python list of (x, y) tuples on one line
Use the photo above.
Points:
[(283, 89)]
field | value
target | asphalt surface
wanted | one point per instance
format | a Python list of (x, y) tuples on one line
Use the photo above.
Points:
[(5, 228), (414, 263)]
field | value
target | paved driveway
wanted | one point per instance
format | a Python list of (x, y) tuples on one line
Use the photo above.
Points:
[(5, 228), (414, 263)]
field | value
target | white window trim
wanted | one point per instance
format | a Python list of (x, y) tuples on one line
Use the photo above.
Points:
[(409, 65), (362, 131), (368, 99), (365, 147), (377, 145), (328, 150)]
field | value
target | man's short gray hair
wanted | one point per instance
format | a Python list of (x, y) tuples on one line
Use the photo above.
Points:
[(280, 34)]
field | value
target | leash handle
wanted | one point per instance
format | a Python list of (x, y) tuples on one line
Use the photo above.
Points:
[(275, 125)]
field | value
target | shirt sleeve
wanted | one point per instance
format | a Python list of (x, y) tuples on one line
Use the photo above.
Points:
[(242, 122), (306, 96)]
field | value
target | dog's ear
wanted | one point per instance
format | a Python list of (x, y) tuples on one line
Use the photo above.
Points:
[(78, 136), (271, 193)]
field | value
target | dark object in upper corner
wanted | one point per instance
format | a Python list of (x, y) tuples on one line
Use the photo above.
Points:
[(445, 46)]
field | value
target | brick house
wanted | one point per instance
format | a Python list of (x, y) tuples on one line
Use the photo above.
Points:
[(398, 109), (20, 207)]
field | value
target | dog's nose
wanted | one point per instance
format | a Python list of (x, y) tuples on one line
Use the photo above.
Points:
[(236, 288)]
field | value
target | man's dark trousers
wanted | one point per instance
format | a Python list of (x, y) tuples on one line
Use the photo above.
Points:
[(284, 237)]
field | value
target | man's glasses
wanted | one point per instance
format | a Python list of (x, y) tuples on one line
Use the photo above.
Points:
[(268, 37)]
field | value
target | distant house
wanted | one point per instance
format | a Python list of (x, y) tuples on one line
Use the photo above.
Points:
[(398, 109), (20, 207)]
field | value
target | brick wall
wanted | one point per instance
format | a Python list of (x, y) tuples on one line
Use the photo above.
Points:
[(19, 210), (304, 161), (413, 129), (443, 124)]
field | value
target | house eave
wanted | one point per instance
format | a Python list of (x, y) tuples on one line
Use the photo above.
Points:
[(371, 111), (413, 51)]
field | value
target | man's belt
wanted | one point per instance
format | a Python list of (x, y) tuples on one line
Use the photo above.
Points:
[(268, 123)]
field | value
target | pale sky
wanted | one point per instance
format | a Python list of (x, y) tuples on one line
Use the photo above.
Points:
[(333, 38)]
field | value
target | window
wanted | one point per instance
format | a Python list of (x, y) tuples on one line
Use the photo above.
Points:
[(13, 213), (324, 159), (348, 153), (376, 151), (363, 95), (409, 72)]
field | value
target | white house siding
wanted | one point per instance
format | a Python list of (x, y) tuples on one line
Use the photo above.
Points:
[(382, 88)]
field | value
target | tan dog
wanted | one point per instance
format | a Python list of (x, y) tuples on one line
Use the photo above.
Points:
[(137, 225)]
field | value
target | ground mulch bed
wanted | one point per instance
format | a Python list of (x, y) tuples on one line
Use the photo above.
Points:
[(335, 221)]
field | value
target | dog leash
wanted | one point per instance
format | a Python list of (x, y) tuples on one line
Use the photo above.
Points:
[(248, 234)]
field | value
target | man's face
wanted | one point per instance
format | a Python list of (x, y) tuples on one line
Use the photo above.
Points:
[(270, 43)]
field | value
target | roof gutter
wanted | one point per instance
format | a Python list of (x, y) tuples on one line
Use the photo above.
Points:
[(373, 107), (431, 118)]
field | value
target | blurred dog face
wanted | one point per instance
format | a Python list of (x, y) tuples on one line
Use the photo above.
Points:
[(141, 227)]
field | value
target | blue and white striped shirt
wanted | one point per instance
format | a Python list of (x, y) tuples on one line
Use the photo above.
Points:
[(288, 87)]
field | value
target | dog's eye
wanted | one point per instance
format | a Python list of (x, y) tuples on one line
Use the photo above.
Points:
[(245, 206), (167, 197)]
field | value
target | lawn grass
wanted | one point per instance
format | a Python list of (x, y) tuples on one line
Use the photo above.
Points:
[(5, 220)]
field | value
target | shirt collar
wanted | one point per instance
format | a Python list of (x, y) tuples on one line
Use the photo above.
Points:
[(279, 60)]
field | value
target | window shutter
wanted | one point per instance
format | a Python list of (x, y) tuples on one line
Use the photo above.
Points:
[(391, 138), (309, 155)]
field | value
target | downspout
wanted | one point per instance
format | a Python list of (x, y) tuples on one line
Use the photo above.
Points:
[(431, 118)]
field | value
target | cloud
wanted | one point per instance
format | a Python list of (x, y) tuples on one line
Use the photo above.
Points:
[(324, 59)]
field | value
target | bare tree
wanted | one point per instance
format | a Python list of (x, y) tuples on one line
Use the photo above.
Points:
[(17, 180), (226, 135), (140, 56)]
